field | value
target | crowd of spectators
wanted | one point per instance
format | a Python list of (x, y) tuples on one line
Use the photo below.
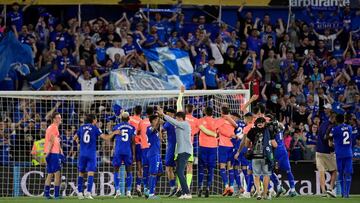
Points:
[(300, 72)]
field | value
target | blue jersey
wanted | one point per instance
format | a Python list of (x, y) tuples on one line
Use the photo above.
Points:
[(123, 140), (88, 135), (238, 132), (171, 136), (154, 142), (16, 19), (100, 54), (311, 139), (321, 143), (280, 142), (161, 29), (130, 48), (342, 140), (210, 76)]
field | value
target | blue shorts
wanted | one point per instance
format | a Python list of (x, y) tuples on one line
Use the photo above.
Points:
[(155, 165), (170, 157), (53, 163), (250, 168), (138, 153), (86, 164), (282, 158), (344, 165), (225, 154), (144, 158), (207, 156), (122, 158)]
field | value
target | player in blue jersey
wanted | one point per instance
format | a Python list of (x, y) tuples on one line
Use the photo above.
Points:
[(153, 154), (240, 155), (240, 162), (169, 129), (124, 145), (87, 136), (282, 159), (341, 139)]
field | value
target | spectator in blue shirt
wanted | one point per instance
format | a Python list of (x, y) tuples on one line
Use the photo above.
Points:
[(210, 76), (310, 142), (152, 39), (254, 43), (16, 16), (60, 37), (101, 53)]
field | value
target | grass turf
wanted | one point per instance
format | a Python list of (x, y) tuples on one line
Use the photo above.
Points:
[(213, 199)]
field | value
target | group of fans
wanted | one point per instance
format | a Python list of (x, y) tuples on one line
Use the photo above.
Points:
[(252, 144)]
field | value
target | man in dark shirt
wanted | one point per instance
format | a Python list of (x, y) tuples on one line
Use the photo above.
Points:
[(325, 157), (301, 116), (256, 138)]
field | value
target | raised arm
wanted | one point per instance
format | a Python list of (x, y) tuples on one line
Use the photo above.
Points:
[(251, 100), (144, 16), (263, 92), (339, 32), (72, 73), (104, 20), (28, 5), (179, 106)]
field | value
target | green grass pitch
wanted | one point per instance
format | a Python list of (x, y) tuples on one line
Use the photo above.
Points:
[(214, 199)]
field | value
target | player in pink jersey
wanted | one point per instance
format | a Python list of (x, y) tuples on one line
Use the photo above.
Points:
[(53, 152), (135, 121), (208, 144), (194, 124), (143, 125), (225, 128)]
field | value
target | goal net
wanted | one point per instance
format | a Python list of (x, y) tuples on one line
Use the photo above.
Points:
[(24, 117)]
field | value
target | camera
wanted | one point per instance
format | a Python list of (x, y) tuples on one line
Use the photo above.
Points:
[(274, 126)]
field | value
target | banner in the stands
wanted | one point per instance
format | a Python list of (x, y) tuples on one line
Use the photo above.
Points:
[(135, 79)]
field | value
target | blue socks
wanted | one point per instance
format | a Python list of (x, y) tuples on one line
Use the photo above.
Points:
[(347, 180), (237, 178), (90, 183), (250, 182), (274, 178), (80, 183), (231, 177), (201, 175), (152, 184), (47, 191), (57, 191), (128, 181), (116, 180), (138, 181), (224, 176), (145, 176), (291, 180), (210, 177), (172, 183)]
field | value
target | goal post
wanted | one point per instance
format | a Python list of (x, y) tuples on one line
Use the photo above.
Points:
[(24, 117)]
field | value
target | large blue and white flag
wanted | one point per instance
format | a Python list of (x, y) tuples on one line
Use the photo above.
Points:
[(13, 52), (173, 63)]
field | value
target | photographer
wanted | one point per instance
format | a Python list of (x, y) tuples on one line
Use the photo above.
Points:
[(261, 142)]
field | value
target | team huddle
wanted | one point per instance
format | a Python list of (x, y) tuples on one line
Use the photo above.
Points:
[(251, 144)]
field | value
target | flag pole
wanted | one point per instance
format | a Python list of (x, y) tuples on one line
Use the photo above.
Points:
[(79, 14), (289, 17), (220, 12)]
